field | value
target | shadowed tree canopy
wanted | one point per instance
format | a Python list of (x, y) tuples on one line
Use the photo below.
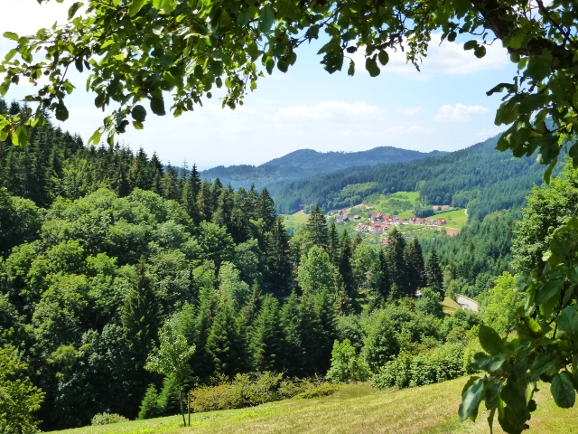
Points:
[(135, 53)]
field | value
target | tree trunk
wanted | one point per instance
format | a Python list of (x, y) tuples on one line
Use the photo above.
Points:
[(181, 404)]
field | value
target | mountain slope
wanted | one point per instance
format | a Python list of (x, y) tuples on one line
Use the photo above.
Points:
[(306, 163), (479, 177)]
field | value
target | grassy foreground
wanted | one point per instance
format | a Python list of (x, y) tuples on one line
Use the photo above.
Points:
[(356, 408)]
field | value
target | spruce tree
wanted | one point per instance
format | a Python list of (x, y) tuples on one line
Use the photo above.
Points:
[(139, 176), (380, 279), (204, 202), (395, 255), (279, 264), (170, 184), (224, 342), (265, 209), (345, 268), (266, 340), (141, 315), (415, 265), (333, 245), (317, 227), (293, 357), (434, 273), (203, 363)]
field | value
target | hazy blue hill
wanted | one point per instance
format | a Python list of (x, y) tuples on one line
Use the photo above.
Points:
[(479, 177), (306, 163)]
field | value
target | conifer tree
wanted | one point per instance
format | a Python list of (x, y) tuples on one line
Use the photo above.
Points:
[(434, 272), (170, 184), (156, 174), (357, 240), (380, 279), (398, 269), (224, 210), (266, 341), (317, 227), (333, 245), (224, 342), (415, 265), (141, 314), (139, 176), (278, 259), (203, 363), (345, 268), (292, 324), (265, 209), (204, 202)]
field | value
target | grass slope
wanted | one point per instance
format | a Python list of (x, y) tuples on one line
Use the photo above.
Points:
[(356, 408)]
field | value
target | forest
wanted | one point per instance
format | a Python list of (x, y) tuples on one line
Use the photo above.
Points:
[(108, 257), (113, 265), (477, 177)]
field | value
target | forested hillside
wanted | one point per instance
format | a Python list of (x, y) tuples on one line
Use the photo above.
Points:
[(479, 178), (307, 163), (111, 264)]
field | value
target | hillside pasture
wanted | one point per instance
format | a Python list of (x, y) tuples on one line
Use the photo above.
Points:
[(355, 408)]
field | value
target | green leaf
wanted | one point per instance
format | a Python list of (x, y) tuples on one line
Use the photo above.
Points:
[(490, 340), (563, 390), (61, 112), (471, 45), (139, 113), (73, 9), (480, 51), (383, 57), (549, 290), (11, 35), (371, 66), (266, 19), (489, 364), (568, 320), (95, 138), (135, 7), (471, 398), (500, 88), (20, 137), (158, 103)]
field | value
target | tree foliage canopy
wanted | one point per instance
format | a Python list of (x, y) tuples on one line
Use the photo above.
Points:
[(140, 50)]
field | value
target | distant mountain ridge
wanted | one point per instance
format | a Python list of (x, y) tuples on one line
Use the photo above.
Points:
[(306, 163), (479, 177)]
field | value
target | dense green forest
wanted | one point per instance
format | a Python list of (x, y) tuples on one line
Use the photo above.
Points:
[(479, 178), (109, 261), (306, 163), (107, 255)]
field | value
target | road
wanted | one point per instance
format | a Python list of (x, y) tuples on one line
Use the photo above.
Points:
[(467, 303)]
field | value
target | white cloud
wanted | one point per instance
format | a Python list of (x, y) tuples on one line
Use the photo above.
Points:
[(459, 112), (329, 111), (445, 58), (410, 111)]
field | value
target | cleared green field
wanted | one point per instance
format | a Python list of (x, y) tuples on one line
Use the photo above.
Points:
[(457, 219), (295, 221), (449, 305), (356, 408)]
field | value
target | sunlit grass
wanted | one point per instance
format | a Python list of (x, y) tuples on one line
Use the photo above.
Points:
[(356, 408)]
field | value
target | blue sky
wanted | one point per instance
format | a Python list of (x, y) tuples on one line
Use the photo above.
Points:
[(444, 107)]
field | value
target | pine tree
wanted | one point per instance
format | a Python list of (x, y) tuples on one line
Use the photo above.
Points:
[(141, 314), (203, 363), (223, 213), (265, 209), (415, 265), (333, 246), (224, 342), (317, 227), (434, 273), (170, 184), (345, 268), (156, 174), (139, 175), (380, 279), (292, 321), (204, 202), (279, 265), (397, 265), (266, 341)]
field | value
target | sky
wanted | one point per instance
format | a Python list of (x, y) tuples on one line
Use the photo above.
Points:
[(443, 107)]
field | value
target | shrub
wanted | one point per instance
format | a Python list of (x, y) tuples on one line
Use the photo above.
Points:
[(150, 406), (440, 364), (107, 418), (247, 390), (324, 389), (346, 365)]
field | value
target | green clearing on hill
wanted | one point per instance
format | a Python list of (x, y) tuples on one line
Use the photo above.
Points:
[(356, 408)]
